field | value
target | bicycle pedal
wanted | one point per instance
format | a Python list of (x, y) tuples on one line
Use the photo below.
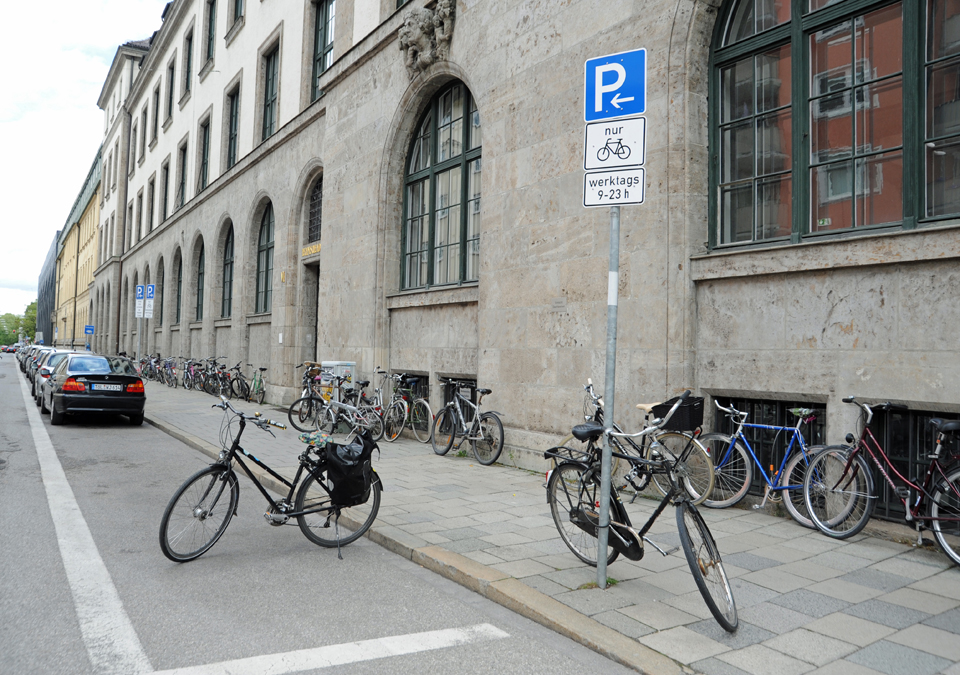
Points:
[(903, 492)]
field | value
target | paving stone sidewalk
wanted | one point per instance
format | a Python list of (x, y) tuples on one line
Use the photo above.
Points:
[(806, 603)]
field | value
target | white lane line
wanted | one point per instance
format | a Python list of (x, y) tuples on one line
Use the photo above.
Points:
[(111, 642), (351, 652)]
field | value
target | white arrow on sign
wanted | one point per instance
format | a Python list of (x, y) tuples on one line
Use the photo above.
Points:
[(617, 100)]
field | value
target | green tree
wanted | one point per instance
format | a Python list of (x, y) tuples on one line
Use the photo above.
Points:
[(30, 322), (8, 328)]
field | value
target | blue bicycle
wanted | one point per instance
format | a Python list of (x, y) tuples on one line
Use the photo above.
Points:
[(734, 459)]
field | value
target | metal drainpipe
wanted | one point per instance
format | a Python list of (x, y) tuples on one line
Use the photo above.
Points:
[(76, 282)]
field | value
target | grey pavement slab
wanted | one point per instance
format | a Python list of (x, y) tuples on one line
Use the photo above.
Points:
[(807, 603)]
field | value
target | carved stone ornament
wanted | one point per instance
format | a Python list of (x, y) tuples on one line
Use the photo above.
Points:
[(425, 36)]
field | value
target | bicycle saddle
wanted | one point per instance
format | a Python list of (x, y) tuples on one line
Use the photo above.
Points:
[(262, 369), (411, 381), (483, 392), (363, 383), (944, 426), (646, 407), (801, 412), (590, 431)]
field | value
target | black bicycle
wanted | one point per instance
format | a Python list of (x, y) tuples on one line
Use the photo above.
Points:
[(201, 509), (573, 493)]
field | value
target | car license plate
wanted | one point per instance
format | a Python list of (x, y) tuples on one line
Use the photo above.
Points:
[(108, 387)]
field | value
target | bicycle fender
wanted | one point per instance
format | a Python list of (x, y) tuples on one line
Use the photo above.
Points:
[(495, 412), (377, 477)]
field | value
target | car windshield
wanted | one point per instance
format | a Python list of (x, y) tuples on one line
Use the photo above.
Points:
[(101, 365), (55, 359)]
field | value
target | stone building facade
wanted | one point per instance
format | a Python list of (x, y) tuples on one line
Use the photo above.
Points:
[(332, 206), (76, 260)]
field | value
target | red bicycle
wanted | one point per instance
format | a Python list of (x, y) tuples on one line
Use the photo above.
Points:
[(839, 492)]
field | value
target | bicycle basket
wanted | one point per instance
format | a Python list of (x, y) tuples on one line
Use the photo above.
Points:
[(688, 416)]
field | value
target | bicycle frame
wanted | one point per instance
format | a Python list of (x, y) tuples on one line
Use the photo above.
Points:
[(913, 511), (795, 436)]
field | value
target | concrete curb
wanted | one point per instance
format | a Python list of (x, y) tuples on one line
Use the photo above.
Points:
[(486, 581)]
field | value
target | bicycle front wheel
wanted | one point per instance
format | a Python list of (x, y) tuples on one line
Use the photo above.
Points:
[(260, 392), (694, 473), (732, 470), (444, 431), (839, 497), (704, 559), (394, 419), (421, 420), (303, 414), (946, 505), (574, 507), (372, 422), (329, 525), (489, 442), (198, 513)]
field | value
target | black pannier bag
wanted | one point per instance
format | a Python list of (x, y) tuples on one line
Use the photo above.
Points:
[(349, 472)]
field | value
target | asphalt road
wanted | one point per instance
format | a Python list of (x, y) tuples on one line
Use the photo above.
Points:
[(111, 603)]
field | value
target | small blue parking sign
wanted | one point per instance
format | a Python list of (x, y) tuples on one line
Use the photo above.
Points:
[(150, 291), (615, 85), (139, 292)]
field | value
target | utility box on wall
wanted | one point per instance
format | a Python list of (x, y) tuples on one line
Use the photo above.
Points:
[(345, 369)]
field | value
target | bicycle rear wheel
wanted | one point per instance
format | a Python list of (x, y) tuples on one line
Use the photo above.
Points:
[(574, 507), (394, 419), (946, 504), (839, 499), (260, 391), (732, 470), (421, 420), (198, 513), (331, 526), (371, 421), (444, 431), (489, 445), (704, 559), (695, 473), (793, 474)]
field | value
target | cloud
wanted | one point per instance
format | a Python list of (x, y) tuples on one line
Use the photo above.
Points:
[(19, 285), (50, 126)]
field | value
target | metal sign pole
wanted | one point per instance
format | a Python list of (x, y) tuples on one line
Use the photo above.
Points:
[(613, 287), (139, 336)]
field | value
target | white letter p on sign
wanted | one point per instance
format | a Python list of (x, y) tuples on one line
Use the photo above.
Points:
[(602, 88)]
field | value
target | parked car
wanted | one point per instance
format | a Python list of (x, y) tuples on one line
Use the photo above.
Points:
[(34, 361), (90, 383), (45, 368)]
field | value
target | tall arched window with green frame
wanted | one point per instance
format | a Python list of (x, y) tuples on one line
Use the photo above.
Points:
[(265, 262), (817, 112), (440, 238)]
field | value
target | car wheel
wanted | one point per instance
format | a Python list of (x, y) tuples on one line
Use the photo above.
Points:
[(43, 405), (136, 419), (56, 418)]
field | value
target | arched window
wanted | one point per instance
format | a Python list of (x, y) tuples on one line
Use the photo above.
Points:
[(441, 212), (200, 266), (832, 115), (316, 204), (226, 303), (179, 286), (265, 262)]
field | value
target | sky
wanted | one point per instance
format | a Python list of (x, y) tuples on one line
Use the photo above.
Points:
[(57, 55)]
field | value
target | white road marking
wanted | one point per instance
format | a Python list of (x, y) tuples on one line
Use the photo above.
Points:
[(112, 643), (351, 652)]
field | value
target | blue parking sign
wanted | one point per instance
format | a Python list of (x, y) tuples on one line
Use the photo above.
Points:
[(140, 292), (615, 85), (150, 291)]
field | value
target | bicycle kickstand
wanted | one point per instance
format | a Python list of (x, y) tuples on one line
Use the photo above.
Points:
[(767, 495), (662, 552)]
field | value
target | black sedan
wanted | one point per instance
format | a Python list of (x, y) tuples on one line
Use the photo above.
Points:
[(90, 383)]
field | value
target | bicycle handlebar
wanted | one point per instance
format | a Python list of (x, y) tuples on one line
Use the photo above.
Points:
[(256, 418), (731, 410)]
